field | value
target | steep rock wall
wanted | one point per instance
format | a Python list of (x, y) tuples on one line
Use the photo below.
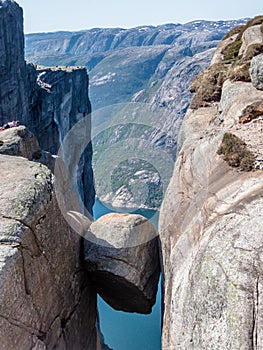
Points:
[(13, 94), (211, 226), (46, 301), (58, 100)]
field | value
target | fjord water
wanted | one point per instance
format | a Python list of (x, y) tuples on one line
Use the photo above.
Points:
[(130, 331)]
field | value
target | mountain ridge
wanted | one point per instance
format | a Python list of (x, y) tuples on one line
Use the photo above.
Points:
[(151, 67)]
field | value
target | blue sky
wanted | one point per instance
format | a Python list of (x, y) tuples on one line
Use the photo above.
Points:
[(53, 15)]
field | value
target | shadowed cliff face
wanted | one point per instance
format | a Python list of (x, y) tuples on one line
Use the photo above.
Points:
[(59, 99), (211, 218), (13, 94), (48, 299), (49, 101)]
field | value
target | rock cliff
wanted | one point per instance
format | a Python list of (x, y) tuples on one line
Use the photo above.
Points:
[(13, 93), (211, 218), (58, 100), (47, 300), (49, 101), (48, 282)]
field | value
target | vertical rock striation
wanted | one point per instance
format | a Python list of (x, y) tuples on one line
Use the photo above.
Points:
[(211, 218), (59, 100)]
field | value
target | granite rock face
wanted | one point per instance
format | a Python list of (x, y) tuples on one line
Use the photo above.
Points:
[(121, 255), (59, 99), (13, 93), (46, 302), (46, 299), (211, 230), (256, 71)]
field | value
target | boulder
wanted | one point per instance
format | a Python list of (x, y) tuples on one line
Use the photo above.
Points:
[(235, 98), (251, 36), (121, 255), (256, 71), (19, 141)]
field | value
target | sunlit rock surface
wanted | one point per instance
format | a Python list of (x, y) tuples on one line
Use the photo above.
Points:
[(44, 301), (211, 226)]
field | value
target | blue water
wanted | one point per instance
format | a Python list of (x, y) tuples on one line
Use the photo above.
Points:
[(130, 331)]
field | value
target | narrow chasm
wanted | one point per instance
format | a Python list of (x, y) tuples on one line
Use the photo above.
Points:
[(121, 255)]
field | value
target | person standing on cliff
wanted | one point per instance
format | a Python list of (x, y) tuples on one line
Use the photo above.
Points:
[(11, 124)]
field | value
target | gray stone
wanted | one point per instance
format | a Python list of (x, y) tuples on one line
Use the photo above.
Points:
[(48, 101), (209, 214), (13, 90), (211, 232), (236, 96), (121, 254), (44, 301), (256, 71), (19, 141), (251, 36)]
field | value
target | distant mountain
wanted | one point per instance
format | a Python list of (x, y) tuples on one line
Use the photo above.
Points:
[(147, 71), (116, 56)]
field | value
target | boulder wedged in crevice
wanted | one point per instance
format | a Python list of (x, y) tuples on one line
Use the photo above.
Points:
[(122, 257)]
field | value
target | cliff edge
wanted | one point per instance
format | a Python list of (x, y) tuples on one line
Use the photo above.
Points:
[(211, 218), (46, 299)]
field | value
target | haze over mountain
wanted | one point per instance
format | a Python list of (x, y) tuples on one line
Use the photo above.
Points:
[(141, 69)]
